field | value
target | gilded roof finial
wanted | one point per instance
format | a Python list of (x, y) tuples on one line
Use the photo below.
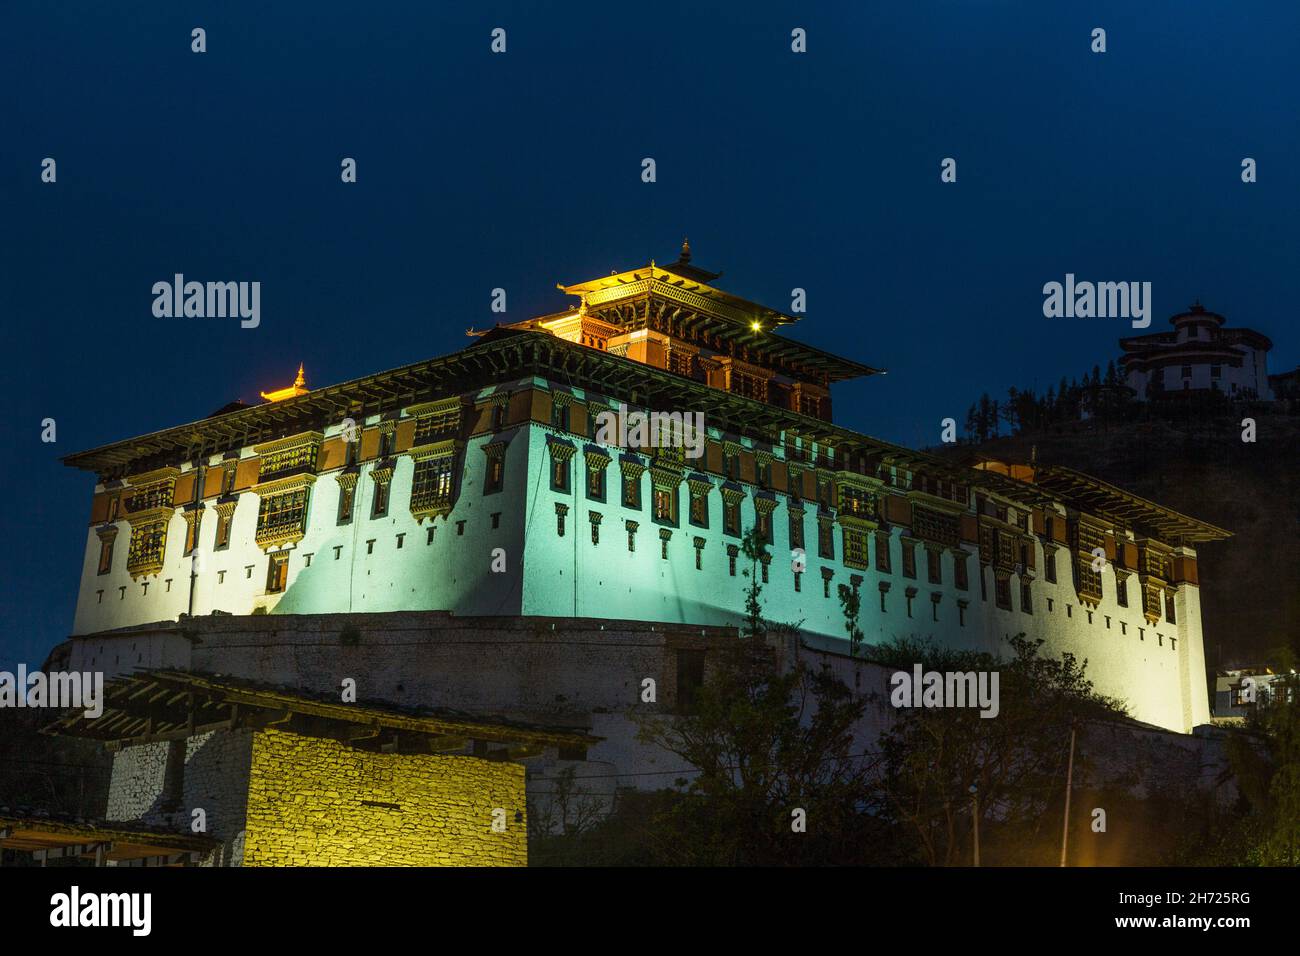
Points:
[(299, 387), (686, 250)]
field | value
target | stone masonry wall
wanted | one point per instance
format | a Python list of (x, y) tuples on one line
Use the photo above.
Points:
[(316, 802), (215, 781)]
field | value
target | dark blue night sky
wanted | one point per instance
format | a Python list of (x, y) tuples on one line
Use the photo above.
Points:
[(522, 170)]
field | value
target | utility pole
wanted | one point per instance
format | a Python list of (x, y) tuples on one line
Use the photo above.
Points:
[(1069, 780), (975, 811)]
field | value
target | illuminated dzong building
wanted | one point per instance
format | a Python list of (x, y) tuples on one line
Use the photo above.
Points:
[(456, 551)]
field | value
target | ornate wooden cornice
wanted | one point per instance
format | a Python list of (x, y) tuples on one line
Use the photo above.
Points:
[(438, 449), (281, 485), (560, 449), (699, 484), (288, 443)]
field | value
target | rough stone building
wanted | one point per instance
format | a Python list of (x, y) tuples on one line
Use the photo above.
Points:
[(273, 778)]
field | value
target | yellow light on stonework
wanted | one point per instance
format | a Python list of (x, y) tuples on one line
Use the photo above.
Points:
[(756, 326)]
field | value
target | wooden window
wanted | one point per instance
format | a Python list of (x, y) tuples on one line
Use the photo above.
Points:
[(431, 483), (106, 554), (496, 473), (1026, 596), (561, 511), (825, 540), (699, 509), (763, 473), (559, 473), (959, 571), (731, 465), (1002, 592), (223, 531), (1087, 581), (882, 552), (857, 502), (909, 559), (764, 525), (347, 494), (631, 490), (934, 566), (1171, 615), (1049, 565), (559, 414), (595, 483), (228, 480), (665, 505), (732, 551), (277, 573), (855, 548), (387, 440), (379, 506), (731, 517), (282, 514), (796, 529)]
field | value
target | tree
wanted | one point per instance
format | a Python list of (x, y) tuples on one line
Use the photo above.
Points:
[(1265, 759), (767, 740), (755, 550), (851, 605), (983, 418), (931, 756)]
